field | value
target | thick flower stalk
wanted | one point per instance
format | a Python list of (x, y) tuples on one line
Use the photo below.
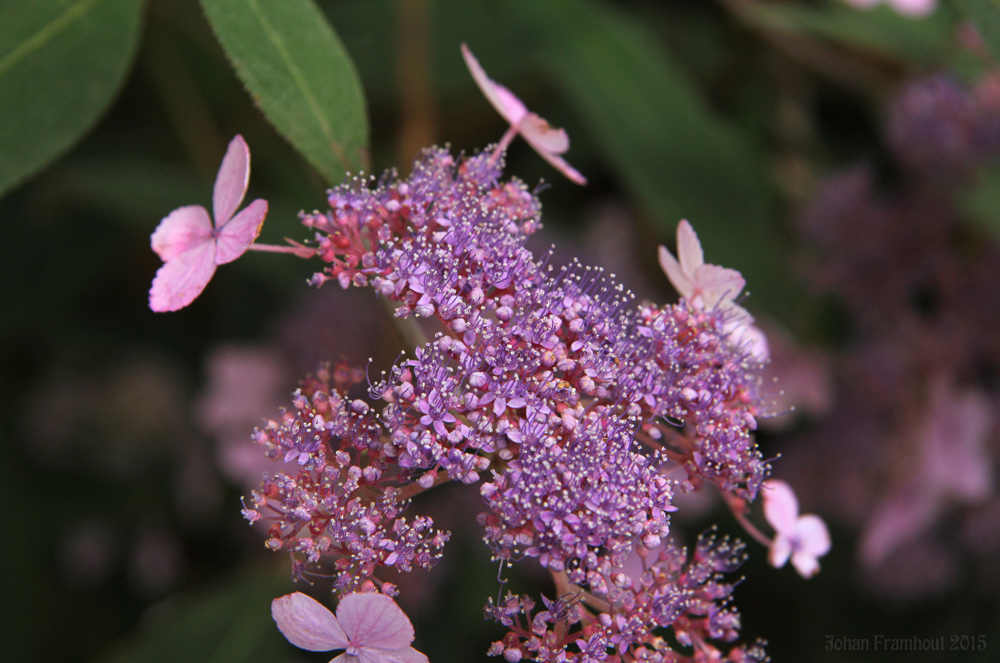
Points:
[(565, 402)]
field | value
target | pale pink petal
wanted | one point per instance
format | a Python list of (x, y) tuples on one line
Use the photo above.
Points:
[(682, 284), (716, 285), (374, 620), (741, 332), (511, 108), (548, 141), (781, 548), (781, 508), (542, 135), (914, 8), (180, 280), (374, 655), (239, 233), (507, 104), (807, 565), (812, 536), (689, 250), (307, 623), (232, 180), (180, 231)]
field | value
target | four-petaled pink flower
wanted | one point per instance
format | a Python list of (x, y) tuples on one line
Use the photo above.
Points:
[(803, 538), (712, 285), (191, 247), (547, 140), (371, 627)]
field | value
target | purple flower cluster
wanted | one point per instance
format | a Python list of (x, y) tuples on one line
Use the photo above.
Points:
[(661, 588), (574, 402), (338, 506), (940, 130)]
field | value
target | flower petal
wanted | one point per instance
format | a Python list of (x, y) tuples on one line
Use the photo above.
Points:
[(812, 535), (307, 623), (682, 284), (239, 233), (716, 285), (545, 139), (914, 8), (180, 280), (781, 508), (781, 548), (507, 104), (689, 248), (405, 655), (374, 620), (232, 180), (807, 565), (542, 135), (182, 230), (549, 142)]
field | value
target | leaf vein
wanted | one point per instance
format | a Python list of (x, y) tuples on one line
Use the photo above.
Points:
[(46, 34), (296, 73)]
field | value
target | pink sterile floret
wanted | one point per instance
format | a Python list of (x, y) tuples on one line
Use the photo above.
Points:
[(191, 247), (803, 538), (370, 627), (547, 140), (714, 287)]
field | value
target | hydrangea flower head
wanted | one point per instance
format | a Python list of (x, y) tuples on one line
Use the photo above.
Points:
[(370, 627), (550, 142), (191, 247), (803, 538)]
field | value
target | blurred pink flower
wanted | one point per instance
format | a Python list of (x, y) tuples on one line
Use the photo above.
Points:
[(371, 627), (189, 245), (953, 467), (911, 8), (242, 383), (803, 538), (547, 140), (713, 286)]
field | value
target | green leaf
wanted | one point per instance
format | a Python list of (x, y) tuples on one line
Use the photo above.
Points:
[(676, 157), (299, 74), (61, 63), (985, 15)]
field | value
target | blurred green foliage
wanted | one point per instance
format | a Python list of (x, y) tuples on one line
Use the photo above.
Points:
[(61, 63)]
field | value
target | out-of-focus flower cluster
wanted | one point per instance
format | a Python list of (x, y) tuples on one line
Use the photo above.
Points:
[(917, 365), (542, 383)]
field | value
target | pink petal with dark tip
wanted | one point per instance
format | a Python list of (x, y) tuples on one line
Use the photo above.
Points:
[(234, 238)]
